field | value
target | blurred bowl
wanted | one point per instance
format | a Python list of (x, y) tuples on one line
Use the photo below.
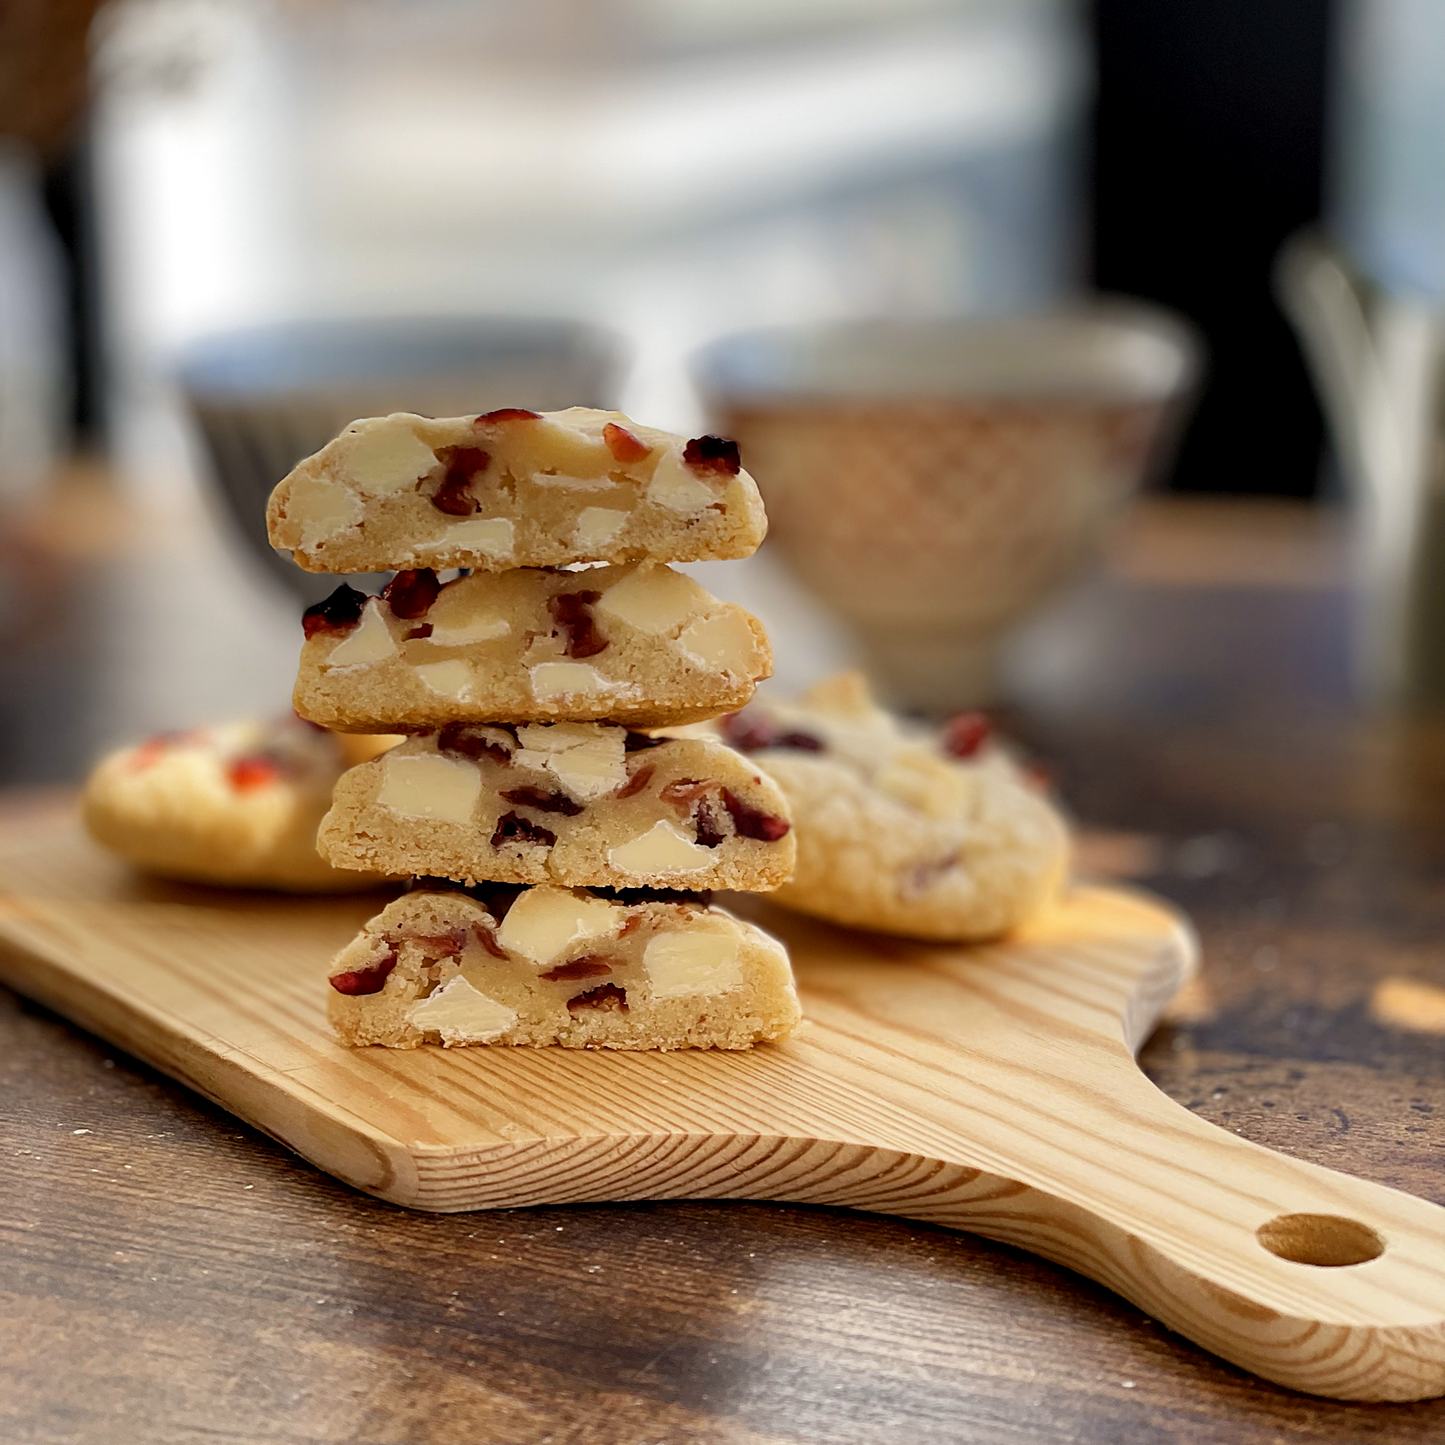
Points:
[(263, 399), (936, 481)]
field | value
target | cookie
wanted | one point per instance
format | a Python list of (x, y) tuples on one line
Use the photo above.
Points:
[(513, 488), (236, 804), (638, 644), (901, 829), (578, 804), (560, 966)]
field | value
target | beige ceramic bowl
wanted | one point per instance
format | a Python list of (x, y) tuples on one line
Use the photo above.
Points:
[(935, 481)]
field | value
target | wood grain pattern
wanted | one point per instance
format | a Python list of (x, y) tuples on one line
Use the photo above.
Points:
[(992, 1090)]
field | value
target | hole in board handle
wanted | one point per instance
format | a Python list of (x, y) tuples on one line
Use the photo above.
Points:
[(1328, 1240)]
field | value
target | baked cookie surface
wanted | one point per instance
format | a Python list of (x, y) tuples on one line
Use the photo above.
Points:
[(900, 829), (236, 804), (578, 804), (637, 644), (513, 488), (570, 967)]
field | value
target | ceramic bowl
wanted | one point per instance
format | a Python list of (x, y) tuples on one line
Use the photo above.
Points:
[(265, 398), (937, 481)]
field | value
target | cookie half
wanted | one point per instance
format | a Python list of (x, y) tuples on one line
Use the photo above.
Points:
[(902, 829), (560, 966), (638, 644), (514, 488), (236, 804), (569, 803)]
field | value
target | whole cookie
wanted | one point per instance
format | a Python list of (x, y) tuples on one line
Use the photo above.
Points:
[(236, 804), (902, 829)]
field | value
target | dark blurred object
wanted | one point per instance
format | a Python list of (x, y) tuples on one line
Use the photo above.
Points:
[(1209, 130), (264, 399), (69, 195)]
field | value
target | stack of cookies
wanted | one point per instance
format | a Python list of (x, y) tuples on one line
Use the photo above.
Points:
[(564, 854)]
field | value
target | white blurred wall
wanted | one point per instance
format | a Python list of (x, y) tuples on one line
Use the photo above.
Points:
[(674, 169)]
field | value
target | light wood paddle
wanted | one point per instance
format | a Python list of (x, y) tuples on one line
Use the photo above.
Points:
[(989, 1089)]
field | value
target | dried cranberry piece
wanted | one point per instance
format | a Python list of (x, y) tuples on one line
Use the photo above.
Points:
[(252, 771), (1039, 777), (804, 742), (423, 629), (443, 945), (514, 826), (543, 801), (747, 734), (455, 496), (338, 613), (148, 753), (753, 734), (462, 738), (638, 742), (713, 454), (608, 996), (411, 594), (371, 979), (708, 822), (507, 413), (753, 822), (636, 783), (572, 612), (965, 734), (487, 937), (623, 444), (591, 966), (682, 792)]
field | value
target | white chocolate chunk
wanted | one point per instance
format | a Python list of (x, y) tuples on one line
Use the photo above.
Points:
[(559, 679), (679, 965), (653, 599), (493, 535), (452, 678), (589, 760), (369, 641), (662, 849), (427, 785), (456, 619), (723, 642), (559, 737), (388, 456), (545, 922), (555, 446), (561, 479), (596, 527), (676, 487), (462, 1014), (479, 629), (322, 508)]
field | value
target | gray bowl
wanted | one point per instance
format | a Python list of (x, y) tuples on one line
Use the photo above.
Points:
[(263, 399)]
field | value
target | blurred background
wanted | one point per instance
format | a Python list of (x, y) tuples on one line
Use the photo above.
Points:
[(1269, 176)]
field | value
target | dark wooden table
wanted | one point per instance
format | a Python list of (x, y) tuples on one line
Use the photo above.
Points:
[(171, 1276)]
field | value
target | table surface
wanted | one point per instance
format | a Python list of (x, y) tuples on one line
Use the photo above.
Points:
[(170, 1275)]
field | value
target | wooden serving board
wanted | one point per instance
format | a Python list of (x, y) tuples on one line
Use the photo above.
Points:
[(992, 1089)]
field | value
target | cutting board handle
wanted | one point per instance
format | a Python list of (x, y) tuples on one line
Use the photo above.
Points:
[(1310, 1278)]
